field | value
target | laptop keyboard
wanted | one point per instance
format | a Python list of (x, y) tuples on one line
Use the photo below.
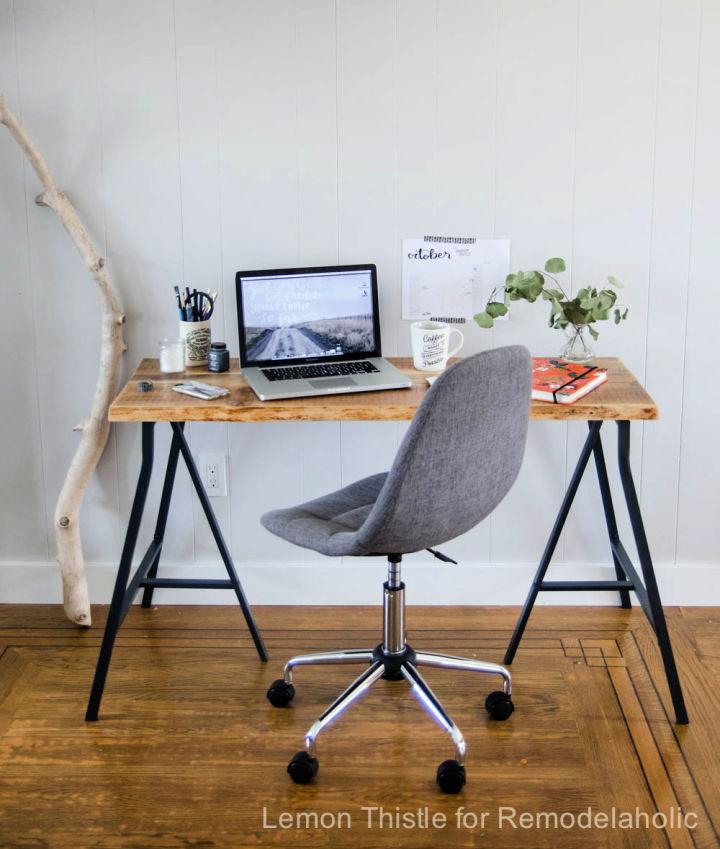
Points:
[(328, 370)]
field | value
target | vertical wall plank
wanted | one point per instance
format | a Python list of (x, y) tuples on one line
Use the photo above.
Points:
[(58, 92), (196, 34), (417, 126), (315, 73), (617, 80), (260, 229), (367, 40), (258, 157), (23, 531), (699, 504), (535, 151), (367, 147), (315, 58), (465, 89), (669, 267), (139, 120)]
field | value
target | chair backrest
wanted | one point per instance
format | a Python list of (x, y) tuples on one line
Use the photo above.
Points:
[(459, 457)]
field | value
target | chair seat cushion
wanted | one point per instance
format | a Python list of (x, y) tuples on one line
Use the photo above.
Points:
[(328, 524)]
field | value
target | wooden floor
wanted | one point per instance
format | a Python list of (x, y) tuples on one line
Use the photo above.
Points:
[(188, 753)]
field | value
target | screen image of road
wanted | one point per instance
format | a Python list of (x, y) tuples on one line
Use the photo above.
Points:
[(314, 315)]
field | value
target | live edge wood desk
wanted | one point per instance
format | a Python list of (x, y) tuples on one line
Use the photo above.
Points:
[(622, 399)]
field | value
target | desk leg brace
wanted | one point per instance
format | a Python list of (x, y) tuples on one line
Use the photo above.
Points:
[(219, 540), (146, 574), (628, 578)]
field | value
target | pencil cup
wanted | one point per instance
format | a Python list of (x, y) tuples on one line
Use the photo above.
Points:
[(196, 335)]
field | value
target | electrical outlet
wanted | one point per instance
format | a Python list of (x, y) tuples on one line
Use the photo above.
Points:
[(214, 472)]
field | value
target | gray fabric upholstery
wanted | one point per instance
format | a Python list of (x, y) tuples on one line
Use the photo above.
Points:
[(458, 460), (328, 524)]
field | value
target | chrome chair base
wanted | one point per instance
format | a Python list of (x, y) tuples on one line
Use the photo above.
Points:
[(401, 662)]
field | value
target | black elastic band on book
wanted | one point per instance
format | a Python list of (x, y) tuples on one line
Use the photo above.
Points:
[(570, 382)]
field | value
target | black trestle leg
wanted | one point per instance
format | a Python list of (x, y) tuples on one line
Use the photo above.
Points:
[(159, 535), (552, 542), (219, 540), (648, 572), (610, 519), (116, 606)]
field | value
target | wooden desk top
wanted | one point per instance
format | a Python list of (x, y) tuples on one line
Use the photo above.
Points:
[(622, 397)]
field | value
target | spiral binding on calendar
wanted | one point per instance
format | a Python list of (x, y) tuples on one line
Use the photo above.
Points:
[(452, 240), (448, 319)]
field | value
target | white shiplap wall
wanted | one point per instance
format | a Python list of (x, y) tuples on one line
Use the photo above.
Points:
[(200, 137)]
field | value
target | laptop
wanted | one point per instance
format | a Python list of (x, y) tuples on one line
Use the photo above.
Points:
[(312, 331)]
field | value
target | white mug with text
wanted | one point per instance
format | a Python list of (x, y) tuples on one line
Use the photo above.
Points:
[(430, 344)]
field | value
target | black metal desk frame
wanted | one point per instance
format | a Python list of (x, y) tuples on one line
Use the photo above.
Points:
[(145, 576), (628, 579)]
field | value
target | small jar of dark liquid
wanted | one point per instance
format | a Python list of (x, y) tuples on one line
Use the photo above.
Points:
[(218, 357)]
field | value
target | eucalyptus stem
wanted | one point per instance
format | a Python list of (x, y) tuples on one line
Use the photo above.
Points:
[(587, 307)]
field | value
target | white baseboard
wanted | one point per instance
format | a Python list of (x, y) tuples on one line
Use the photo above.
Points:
[(315, 583)]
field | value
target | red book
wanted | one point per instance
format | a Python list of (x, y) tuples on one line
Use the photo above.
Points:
[(561, 382)]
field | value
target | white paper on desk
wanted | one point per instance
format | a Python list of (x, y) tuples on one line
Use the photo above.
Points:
[(451, 277)]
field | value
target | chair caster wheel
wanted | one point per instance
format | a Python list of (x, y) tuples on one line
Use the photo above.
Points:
[(302, 768), (280, 693), (499, 705), (451, 777)]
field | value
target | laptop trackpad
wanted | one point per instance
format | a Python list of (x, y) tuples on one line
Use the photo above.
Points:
[(332, 382)]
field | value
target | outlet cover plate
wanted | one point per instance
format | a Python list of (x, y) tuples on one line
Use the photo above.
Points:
[(213, 469)]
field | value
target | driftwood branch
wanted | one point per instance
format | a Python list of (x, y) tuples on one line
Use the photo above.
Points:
[(95, 428)]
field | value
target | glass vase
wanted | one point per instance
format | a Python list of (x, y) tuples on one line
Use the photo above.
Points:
[(576, 349)]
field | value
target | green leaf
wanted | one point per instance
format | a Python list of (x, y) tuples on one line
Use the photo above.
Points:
[(607, 298), (556, 294), (495, 309), (555, 265), (618, 317), (593, 333), (613, 281), (600, 313), (484, 319), (533, 285), (625, 314)]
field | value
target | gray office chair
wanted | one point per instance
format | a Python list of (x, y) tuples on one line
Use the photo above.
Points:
[(456, 463)]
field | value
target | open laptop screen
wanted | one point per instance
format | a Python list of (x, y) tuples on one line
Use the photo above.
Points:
[(308, 315)]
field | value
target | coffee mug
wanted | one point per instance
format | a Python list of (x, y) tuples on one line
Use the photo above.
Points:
[(430, 343)]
